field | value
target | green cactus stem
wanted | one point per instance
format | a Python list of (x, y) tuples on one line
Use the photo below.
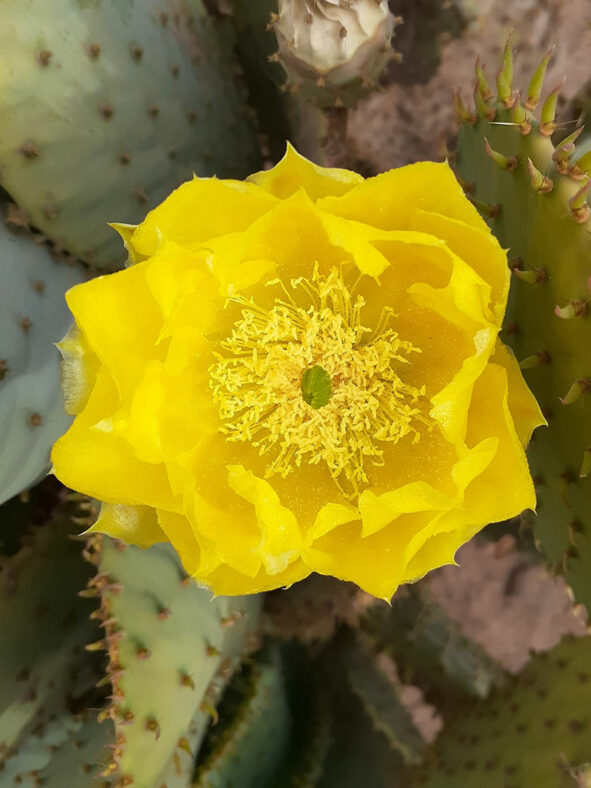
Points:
[(533, 191)]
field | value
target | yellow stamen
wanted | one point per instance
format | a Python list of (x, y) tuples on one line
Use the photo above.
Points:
[(258, 384)]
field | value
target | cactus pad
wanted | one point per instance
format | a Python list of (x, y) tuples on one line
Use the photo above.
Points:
[(105, 107), (535, 732), (171, 650), (534, 194), (33, 315)]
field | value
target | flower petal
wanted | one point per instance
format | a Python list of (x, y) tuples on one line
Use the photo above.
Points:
[(389, 200), (199, 210), (524, 407), (120, 320), (281, 536), (295, 172), (132, 524), (95, 461)]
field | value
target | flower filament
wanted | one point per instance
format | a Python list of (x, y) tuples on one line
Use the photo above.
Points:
[(308, 382)]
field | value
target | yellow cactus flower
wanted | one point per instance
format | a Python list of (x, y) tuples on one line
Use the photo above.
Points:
[(300, 373)]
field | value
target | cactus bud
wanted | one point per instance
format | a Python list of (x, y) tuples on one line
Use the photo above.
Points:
[(333, 51)]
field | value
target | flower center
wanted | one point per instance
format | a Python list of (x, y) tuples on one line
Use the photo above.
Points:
[(311, 383)]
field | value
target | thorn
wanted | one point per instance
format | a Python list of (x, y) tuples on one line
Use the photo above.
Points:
[(519, 116), (485, 90), (486, 208), (548, 113), (163, 613), (539, 359), (143, 653), (98, 645), (564, 151), (578, 205), (541, 184), (582, 168), (507, 67), (183, 743), (482, 108), (508, 163), (186, 680), (586, 464), (229, 621), (572, 309), (535, 86), (578, 387), (153, 725), (89, 593), (467, 186), (505, 90), (207, 707), (533, 276)]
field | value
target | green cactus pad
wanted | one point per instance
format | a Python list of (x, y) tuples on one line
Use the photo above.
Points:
[(33, 315), (44, 624), (171, 650), (429, 647), (535, 732), (78, 761), (380, 700), (534, 196), (250, 744), (106, 107)]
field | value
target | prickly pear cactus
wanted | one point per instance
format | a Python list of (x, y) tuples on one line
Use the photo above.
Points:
[(171, 650), (533, 192), (240, 752), (333, 51), (533, 733), (44, 671), (33, 315), (107, 106)]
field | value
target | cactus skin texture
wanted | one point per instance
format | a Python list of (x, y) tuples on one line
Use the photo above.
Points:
[(33, 315), (106, 107), (535, 732), (239, 753), (171, 650), (44, 671), (534, 195), (333, 51)]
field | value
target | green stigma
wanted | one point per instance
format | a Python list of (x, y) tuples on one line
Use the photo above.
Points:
[(316, 387)]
